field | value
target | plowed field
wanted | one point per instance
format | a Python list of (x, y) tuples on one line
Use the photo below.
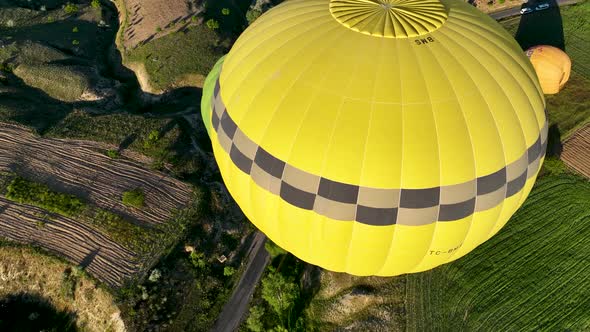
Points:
[(150, 18), (105, 259), (576, 151), (80, 168)]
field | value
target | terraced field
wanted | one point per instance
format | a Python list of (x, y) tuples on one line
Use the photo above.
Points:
[(576, 151), (533, 275), (82, 169), (114, 249), (105, 259)]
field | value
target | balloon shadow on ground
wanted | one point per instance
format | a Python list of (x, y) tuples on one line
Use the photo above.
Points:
[(542, 27), (554, 146)]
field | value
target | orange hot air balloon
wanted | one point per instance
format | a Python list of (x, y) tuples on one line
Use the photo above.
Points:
[(552, 65)]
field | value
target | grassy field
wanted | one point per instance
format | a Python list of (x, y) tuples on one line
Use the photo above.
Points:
[(533, 275), (193, 51)]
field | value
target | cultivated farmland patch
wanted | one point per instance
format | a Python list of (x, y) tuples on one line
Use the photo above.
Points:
[(80, 168), (112, 241), (576, 151), (149, 19)]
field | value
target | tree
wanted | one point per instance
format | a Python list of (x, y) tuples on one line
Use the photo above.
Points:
[(95, 4), (273, 249), (225, 11), (254, 321), (279, 292)]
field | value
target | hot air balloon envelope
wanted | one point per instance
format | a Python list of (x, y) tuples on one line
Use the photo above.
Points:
[(552, 65), (376, 137)]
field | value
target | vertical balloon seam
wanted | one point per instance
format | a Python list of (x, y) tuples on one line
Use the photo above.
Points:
[(501, 88), (433, 235), (462, 111), (450, 40), (529, 71)]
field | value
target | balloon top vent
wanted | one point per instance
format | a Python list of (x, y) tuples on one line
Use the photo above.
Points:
[(390, 18)]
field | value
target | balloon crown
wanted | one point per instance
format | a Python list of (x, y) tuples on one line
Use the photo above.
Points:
[(390, 18)]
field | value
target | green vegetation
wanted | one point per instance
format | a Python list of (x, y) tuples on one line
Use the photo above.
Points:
[(24, 191), (279, 293), (70, 8), (158, 53), (95, 4), (75, 29), (198, 260), (273, 249), (252, 15), (576, 29), (113, 154), (254, 320), (229, 271), (225, 11), (531, 276), (570, 108), (134, 198), (139, 239), (212, 24), (64, 83)]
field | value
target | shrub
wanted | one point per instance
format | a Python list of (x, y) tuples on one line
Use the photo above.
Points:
[(114, 154), (273, 249), (198, 260), (24, 191), (212, 24), (252, 15), (71, 8), (75, 29), (225, 11), (254, 321), (134, 198), (95, 4), (155, 275), (75, 42), (158, 29), (228, 271)]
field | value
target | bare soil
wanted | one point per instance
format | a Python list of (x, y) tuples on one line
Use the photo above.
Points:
[(576, 151), (150, 19)]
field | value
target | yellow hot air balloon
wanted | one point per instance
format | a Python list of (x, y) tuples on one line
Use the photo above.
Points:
[(552, 65), (376, 137)]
